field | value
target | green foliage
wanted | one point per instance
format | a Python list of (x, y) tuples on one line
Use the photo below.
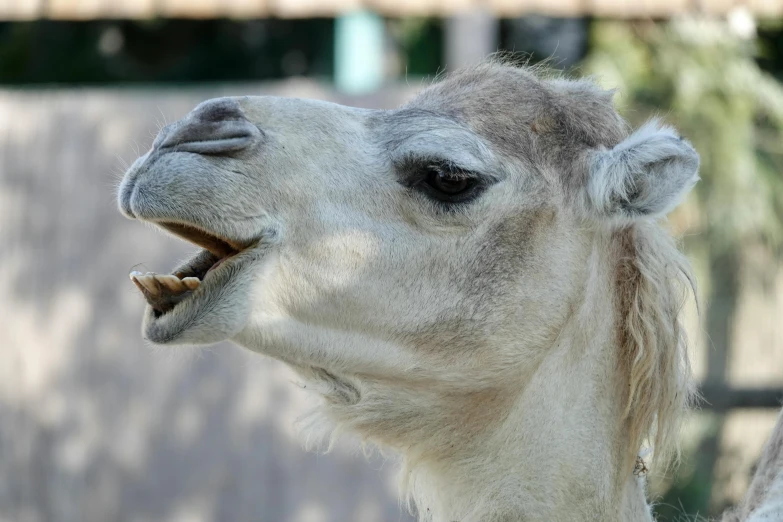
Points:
[(420, 41), (770, 46), (155, 51)]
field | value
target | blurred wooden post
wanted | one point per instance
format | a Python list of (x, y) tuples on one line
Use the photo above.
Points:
[(470, 37), (358, 54)]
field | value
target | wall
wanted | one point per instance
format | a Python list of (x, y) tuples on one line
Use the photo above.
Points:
[(94, 425)]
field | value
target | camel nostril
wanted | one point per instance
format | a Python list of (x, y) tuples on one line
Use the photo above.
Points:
[(215, 127), (218, 110)]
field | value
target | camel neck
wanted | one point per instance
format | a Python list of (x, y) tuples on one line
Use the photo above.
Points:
[(563, 451), (549, 461)]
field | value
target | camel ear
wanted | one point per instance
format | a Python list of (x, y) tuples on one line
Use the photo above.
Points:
[(645, 175)]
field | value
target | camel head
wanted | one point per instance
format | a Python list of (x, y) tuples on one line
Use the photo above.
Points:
[(420, 267)]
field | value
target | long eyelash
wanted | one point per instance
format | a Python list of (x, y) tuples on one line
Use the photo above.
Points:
[(413, 167), (452, 170)]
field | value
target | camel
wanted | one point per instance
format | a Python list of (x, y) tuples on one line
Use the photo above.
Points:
[(478, 280)]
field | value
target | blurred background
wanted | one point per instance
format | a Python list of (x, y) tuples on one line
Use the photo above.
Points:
[(96, 426)]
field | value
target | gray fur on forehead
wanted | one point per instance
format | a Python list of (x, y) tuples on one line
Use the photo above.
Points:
[(523, 114)]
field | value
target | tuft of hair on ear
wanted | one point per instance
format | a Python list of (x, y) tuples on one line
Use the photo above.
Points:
[(645, 175)]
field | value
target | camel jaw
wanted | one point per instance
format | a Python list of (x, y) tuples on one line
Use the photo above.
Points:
[(182, 306), (164, 291)]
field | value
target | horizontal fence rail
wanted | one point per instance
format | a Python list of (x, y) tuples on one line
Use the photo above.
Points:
[(723, 398)]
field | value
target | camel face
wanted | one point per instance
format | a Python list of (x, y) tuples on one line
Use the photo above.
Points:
[(476, 279), (326, 218), (403, 243)]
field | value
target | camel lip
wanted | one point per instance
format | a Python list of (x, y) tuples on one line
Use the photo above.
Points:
[(207, 266), (218, 245), (218, 279)]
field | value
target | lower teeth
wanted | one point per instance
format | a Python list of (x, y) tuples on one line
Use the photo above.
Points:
[(163, 291), (191, 282)]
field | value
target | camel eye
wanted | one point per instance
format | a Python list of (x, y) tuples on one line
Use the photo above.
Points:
[(448, 185), (446, 182), (441, 180)]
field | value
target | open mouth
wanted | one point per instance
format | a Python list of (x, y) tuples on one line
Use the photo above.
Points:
[(164, 291)]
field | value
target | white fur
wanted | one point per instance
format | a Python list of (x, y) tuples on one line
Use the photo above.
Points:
[(649, 173), (772, 509)]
